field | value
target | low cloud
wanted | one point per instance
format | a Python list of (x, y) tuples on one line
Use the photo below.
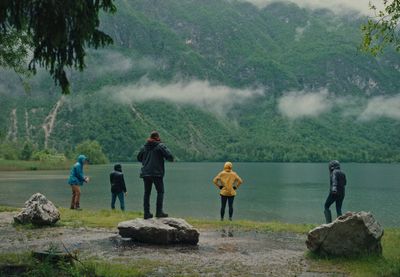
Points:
[(300, 104), (337, 6), (217, 99), (382, 107)]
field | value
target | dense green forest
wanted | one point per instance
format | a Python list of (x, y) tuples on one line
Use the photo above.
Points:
[(220, 80)]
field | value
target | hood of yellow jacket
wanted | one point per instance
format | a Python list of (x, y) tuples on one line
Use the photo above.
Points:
[(228, 166)]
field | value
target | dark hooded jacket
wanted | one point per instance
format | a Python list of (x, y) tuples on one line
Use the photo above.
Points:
[(117, 180), (337, 180), (152, 156)]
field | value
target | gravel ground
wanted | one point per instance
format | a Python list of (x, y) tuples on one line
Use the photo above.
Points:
[(224, 252)]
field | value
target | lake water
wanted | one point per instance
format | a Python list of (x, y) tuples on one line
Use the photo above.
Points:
[(288, 192)]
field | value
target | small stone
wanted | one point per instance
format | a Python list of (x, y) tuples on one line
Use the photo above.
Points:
[(159, 231), (38, 211), (349, 235)]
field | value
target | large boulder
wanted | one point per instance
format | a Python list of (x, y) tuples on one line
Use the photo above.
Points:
[(38, 211), (159, 231), (350, 235)]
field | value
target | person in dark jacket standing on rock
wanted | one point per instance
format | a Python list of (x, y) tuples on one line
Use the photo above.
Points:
[(336, 190), (118, 188), (152, 156)]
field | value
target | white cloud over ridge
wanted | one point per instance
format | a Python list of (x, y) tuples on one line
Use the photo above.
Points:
[(381, 106), (217, 99), (337, 6), (220, 99), (300, 104)]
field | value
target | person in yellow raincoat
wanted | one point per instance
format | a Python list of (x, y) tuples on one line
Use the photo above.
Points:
[(227, 181)]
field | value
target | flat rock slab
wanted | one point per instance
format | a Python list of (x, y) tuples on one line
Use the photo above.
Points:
[(38, 211), (349, 235), (159, 231)]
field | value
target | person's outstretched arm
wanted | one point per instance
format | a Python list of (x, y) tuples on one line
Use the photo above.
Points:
[(166, 153)]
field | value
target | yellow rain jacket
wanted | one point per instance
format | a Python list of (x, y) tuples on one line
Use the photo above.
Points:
[(228, 179)]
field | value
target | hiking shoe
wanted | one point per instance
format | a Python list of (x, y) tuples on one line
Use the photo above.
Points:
[(161, 214), (230, 219), (147, 216)]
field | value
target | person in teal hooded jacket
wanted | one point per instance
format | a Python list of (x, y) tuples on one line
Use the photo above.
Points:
[(76, 179)]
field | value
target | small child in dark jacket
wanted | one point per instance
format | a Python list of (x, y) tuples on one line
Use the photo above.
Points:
[(118, 188)]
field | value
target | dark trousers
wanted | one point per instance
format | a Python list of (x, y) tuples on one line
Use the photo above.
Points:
[(334, 198), (224, 199), (120, 196), (159, 184)]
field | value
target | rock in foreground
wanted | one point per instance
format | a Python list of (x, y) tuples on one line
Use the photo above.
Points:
[(159, 231), (350, 235), (38, 211)]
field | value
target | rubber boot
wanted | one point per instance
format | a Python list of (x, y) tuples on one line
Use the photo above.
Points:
[(328, 216), (160, 202), (161, 214), (147, 215)]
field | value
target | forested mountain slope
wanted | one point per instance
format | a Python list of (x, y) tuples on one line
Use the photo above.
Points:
[(220, 80)]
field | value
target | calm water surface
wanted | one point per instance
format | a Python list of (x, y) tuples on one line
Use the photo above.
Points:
[(288, 192)]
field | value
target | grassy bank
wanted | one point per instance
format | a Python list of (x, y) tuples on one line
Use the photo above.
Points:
[(23, 264), (17, 165), (89, 218), (385, 266), (110, 219), (8, 209)]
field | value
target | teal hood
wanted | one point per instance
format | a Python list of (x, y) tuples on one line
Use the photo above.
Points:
[(82, 159), (77, 176)]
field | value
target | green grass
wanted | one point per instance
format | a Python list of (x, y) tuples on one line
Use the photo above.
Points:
[(110, 219), (8, 209), (90, 218), (247, 225), (15, 258), (91, 267), (140, 267), (388, 265), (16, 165)]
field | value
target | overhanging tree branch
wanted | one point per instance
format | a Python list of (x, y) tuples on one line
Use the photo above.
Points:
[(58, 32), (382, 30)]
